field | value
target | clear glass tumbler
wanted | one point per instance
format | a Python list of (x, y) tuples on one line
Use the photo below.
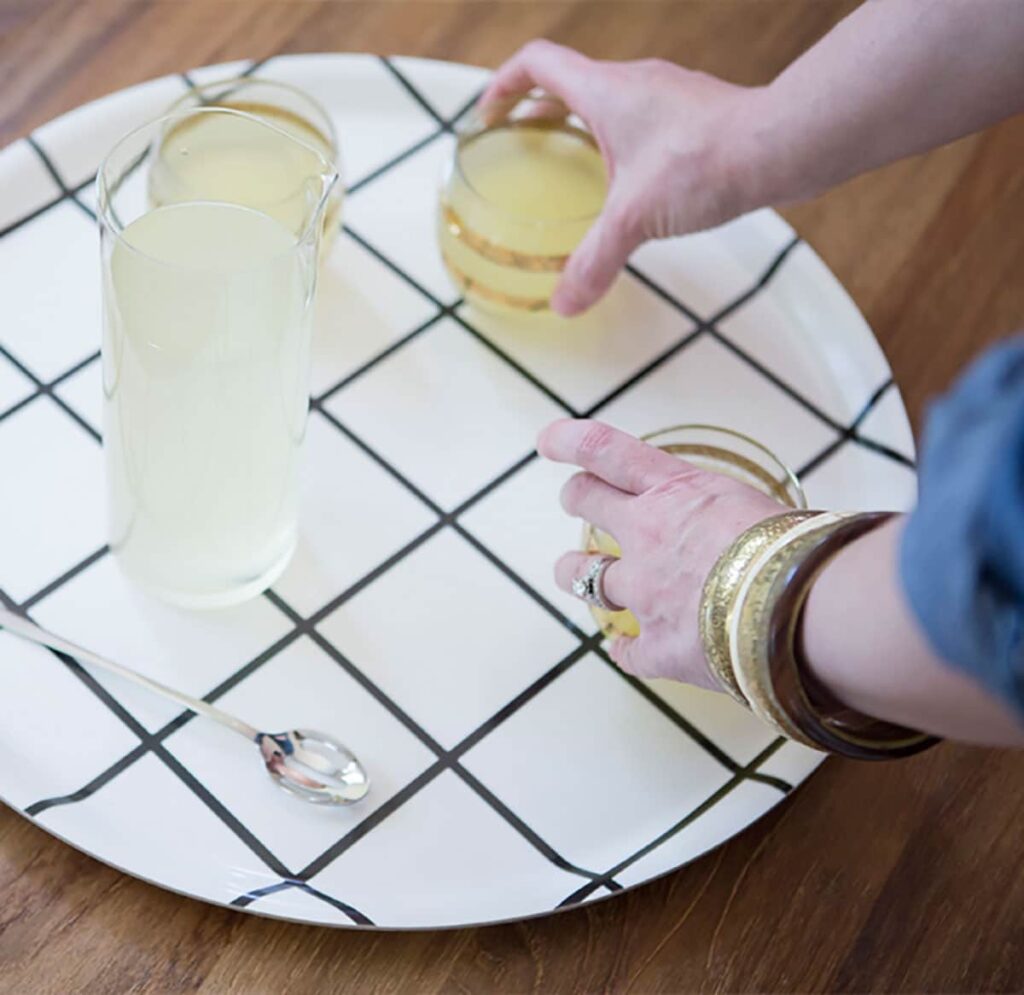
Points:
[(720, 450), (206, 340), (215, 175), (517, 196)]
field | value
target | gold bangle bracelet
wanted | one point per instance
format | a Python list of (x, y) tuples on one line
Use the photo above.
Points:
[(763, 643), (748, 623), (719, 594)]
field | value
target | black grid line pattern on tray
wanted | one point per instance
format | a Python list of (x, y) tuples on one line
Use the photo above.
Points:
[(249, 70), (584, 892), (447, 759), (154, 743)]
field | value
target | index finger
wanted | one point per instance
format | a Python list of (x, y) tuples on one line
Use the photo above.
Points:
[(614, 456), (559, 70)]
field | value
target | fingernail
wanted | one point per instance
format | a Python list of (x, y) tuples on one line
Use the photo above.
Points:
[(542, 437), (484, 112), (565, 302)]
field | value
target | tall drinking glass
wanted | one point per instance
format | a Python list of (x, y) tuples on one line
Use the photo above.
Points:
[(206, 337)]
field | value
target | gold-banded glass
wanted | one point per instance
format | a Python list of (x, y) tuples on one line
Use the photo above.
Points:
[(517, 197), (719, 450)]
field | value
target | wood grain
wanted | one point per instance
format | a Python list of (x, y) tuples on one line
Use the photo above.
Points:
[(905, 877)]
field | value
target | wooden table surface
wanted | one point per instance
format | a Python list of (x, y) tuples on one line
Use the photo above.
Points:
[(906, 877)]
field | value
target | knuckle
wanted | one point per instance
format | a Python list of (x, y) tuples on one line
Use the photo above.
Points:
[(540, 48), (646, 600), (573, 491), (668, 509), (594, 441), (672, 507), (651, 529), (655, 65), (646, 72), (691, 479), (705, 504), (688, 489)]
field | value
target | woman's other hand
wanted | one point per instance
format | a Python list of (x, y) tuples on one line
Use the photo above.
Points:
[(672, 522), (669, 141)]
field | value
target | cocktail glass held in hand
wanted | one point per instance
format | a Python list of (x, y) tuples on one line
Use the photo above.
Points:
[(517, 197), (720, 450)]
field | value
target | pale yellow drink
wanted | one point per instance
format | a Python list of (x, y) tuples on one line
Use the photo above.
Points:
[(206, 353), (221, 157), (517, 200)]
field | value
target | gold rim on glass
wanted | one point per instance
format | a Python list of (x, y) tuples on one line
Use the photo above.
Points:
[(467, 136), (786, 488), (213, 94)]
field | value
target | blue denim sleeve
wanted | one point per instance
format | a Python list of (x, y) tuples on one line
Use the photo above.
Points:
[(962, 558)]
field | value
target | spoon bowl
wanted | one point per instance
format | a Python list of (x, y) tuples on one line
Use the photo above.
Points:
[(310, 765), (314, 766)]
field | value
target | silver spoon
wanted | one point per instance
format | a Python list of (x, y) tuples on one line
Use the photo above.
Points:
[(311, 765)]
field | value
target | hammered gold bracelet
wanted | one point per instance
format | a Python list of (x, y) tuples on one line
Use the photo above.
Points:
[(719, 595)]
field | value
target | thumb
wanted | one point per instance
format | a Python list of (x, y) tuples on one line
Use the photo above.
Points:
[(600, 256)]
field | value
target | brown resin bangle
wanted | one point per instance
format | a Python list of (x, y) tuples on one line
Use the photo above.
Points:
[(772, 673), (834, 726), (749, 624)]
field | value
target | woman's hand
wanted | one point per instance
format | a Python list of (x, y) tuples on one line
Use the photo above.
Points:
[(669, 140), (687, 151), (672, 522)]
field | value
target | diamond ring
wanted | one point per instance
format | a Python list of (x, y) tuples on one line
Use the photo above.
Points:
[(590, 587)]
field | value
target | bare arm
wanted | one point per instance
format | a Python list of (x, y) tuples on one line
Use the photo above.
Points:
[(862, 641), (895, 78), (687, 151), (672, 523)]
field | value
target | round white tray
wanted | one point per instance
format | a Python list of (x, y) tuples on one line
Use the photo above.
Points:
[(516, 771)]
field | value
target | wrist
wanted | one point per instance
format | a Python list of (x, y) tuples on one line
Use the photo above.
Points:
[(736, 159), (862, 642), (858, 592), (765, 162)]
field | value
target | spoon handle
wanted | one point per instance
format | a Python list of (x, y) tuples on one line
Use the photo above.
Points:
[(19, 626)]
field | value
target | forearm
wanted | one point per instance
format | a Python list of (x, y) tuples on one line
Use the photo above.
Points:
[(897, 77), (862, 641)]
